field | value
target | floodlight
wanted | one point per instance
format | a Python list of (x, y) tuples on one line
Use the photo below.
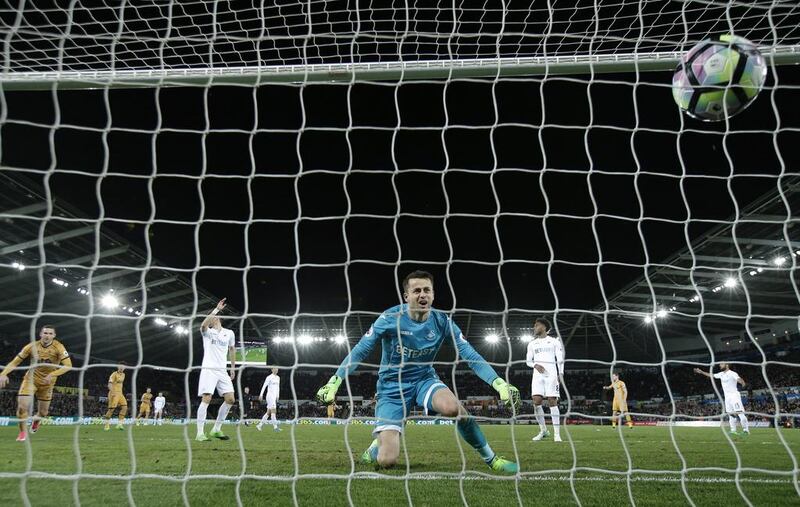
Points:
[(109, 301)]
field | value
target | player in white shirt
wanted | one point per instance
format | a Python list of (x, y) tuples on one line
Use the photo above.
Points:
[(272, 385), (217, 343), (158, 406), (733, 400), (546, 357)]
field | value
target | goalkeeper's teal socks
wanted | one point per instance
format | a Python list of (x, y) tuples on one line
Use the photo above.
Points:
[(472, 434)]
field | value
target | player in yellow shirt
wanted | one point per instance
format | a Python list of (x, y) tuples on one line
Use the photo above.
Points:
[(332, 407), (620, 403), (144, 406), (116, 397), (49, 359)]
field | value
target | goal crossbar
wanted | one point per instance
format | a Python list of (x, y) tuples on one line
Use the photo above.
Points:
[(376, 71)]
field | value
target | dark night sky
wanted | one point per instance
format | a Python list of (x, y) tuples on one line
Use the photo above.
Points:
[(310, 152)]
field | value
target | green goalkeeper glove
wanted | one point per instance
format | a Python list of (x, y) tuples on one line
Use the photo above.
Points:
[(508, 393), (327, 393)]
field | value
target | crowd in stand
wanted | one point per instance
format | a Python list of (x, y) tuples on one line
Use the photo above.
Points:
[(650, 389)]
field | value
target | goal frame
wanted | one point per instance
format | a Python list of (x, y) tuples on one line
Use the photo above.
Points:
[(377, 71)]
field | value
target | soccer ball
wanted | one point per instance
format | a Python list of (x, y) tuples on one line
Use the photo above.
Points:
[(719, 77)]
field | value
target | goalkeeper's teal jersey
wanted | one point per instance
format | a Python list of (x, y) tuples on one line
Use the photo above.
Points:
[(409, 347)]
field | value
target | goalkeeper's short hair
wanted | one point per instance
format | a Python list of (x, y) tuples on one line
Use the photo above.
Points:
[(416, 274)]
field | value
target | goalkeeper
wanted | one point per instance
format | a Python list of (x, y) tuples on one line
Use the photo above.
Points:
[(411, 335)]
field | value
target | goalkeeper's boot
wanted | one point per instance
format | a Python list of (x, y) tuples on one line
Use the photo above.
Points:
[(220, 435), (35, 425), (541, 436), (201, 437), (22, 436), (499, 464), (370, 455)]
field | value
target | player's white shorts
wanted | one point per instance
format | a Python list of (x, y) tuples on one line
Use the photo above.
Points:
[(545, 384), (158, 410), (214, 379), (733, 403), (272, 402)]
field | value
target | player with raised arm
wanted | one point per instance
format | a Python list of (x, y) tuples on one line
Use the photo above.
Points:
[(410, 335), (733, 400), (546, 356), (158, 409), (116, 397), (272, 385), (620, 403), (217, 342), (144, 406), (48, 359)]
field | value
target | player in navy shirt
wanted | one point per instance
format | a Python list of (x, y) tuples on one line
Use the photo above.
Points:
[(411, 335)]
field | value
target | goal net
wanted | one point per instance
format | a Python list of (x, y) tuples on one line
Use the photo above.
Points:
[(301, 158)]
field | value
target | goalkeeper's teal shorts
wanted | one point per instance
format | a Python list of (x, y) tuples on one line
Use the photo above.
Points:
[(396, 399)]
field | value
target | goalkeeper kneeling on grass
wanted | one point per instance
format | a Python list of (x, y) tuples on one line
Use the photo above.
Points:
[(411, 335)]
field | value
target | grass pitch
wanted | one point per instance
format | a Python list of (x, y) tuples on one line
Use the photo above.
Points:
[(312, 465)]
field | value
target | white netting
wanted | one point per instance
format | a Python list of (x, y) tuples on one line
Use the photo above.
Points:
[(45, 36), (194, 41), (655, 243)]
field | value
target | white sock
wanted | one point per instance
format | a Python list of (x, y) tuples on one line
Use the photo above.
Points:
[(743, 420), (540, 418), (555, 413), (264, 419), (221, 415), (201, 417), (732, 421), (486, 453), (274, 421)]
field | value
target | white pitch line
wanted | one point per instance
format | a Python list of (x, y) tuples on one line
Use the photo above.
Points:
[(613, 478), (532, 477)]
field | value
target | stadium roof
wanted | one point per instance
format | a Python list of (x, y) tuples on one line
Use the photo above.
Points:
[(62, 267), (739, 274)]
